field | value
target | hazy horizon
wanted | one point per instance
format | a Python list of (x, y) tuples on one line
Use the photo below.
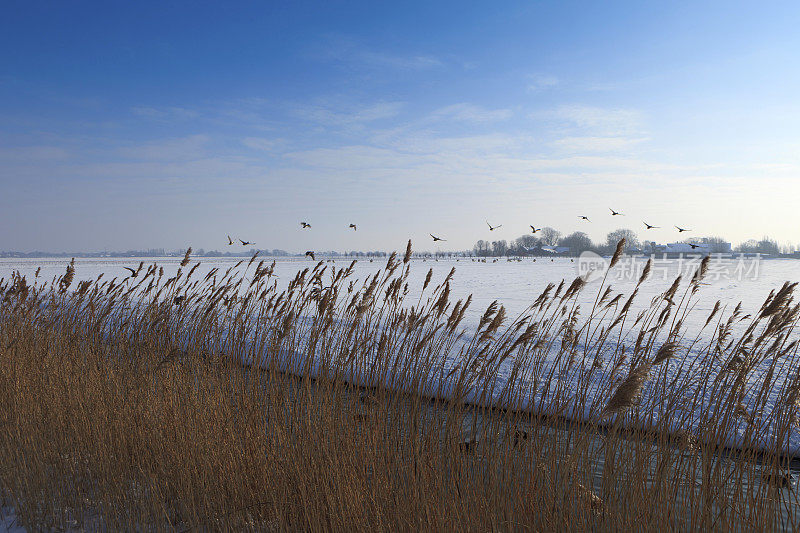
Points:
[(133, 126), (420, 248)]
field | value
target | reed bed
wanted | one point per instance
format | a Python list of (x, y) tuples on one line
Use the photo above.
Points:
[(223, 402)]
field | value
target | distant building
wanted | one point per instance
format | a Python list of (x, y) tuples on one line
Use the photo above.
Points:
[(684, 248), (697, 248)]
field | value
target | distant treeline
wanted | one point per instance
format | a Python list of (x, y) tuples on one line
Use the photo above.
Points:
[(541, 243), (546, 239)]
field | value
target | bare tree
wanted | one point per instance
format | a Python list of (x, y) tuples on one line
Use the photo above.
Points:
[(482, 248), (577, 242), (550, 236), (527, 241), (499, 248), (764, 246), (631, 240)]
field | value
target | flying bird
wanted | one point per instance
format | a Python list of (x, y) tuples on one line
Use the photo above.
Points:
[(614, 213), (305, 225), (649, 226), (352, 226), (584, 218), (534, 230), (492, 228), (681, 230), (435, 238), (133, 272), (693, 245), (310, 254), (245, 243), (230, 241)]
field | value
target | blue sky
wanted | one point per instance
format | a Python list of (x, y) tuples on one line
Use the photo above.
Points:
[(165, 124)]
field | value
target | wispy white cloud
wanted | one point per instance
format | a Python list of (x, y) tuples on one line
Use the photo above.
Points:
[(600, 120), (164, 113), (260, 143), (478, 145), (355, 158), (179, 149), (333, 114), (538, 82), (260, 114), (465, 156), (470, 113), (346, 50), (336, 119), (597, 144), (413, 62)]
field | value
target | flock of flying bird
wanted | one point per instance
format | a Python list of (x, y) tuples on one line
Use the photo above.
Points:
[(534, 230)]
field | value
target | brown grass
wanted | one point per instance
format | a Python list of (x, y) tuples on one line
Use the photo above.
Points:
[(225, 403)]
